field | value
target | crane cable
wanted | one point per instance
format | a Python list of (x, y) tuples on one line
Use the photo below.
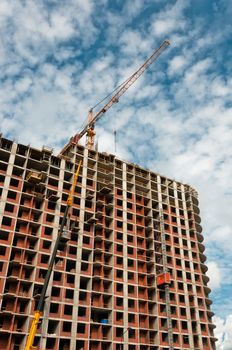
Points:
[(111, 93)]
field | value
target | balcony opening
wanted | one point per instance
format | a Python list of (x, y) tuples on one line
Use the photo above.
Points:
[(50, 218), (119, 301), (68, 309), (2, 251), (131, 303), (119, 332), (55, 292), (80, 344), (72, 250), (69, 294), (67, 327), (81, 311), (54, 308), (184, 325), (51, 343), (83, 283), (81, 328), (57, 276), (45, 259), (70, 265), (52, 326), (6, 221), (82, 296), (48, 231), (131, 318), (71, 279), (119, 287), (119, 273), (119, 316), (182, 311), (185, 339), (131, 333), (46, 244)]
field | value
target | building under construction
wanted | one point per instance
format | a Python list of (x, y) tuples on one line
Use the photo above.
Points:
[(132, 274)]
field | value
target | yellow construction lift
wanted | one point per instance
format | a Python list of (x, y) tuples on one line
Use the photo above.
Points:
[(61, 237)]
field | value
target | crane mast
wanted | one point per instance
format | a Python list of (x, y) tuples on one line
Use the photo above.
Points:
[(92, 119)]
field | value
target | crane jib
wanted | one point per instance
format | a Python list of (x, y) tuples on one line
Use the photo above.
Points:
[(119, 92)]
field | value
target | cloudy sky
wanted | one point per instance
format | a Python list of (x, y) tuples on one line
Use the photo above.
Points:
[(59, 58)]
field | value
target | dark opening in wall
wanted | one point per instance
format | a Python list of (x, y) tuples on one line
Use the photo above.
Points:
[(50, 218), (184, 325), (71, 279), (80, 344), (46, 244), (68, 309), (183, 311), (69, 293), (72, 250), (84, 283), (130, 275), (14, 182), (131, 333), (51, 205), (119, 273), (81, 328), (50, 344), (131, 303), (3, 167), (86, 239), (55, 291), (119, 224), (6, 221), (2, 250), (52, 326), (119, 332), (54, 308), (131, 317), (67, 327), (70, 265), (185, 339), (57, 276), (81, 311), (4, 235), (48, 231)]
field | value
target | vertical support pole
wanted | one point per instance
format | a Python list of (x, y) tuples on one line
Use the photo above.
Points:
[(167, 291)]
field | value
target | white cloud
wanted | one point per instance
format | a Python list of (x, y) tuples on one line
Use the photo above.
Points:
[(177, 64), (23, 84), (170, 19), (5, 8), (223, 332), (214, 275), (222, 235)]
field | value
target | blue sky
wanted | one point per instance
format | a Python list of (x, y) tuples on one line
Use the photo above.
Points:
[(59, 58)]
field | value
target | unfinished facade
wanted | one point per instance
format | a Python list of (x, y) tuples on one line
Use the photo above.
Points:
[(127, 227)]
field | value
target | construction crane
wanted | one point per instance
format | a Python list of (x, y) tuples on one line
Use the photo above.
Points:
[(62, 236), (117, 93), (89, 131)]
